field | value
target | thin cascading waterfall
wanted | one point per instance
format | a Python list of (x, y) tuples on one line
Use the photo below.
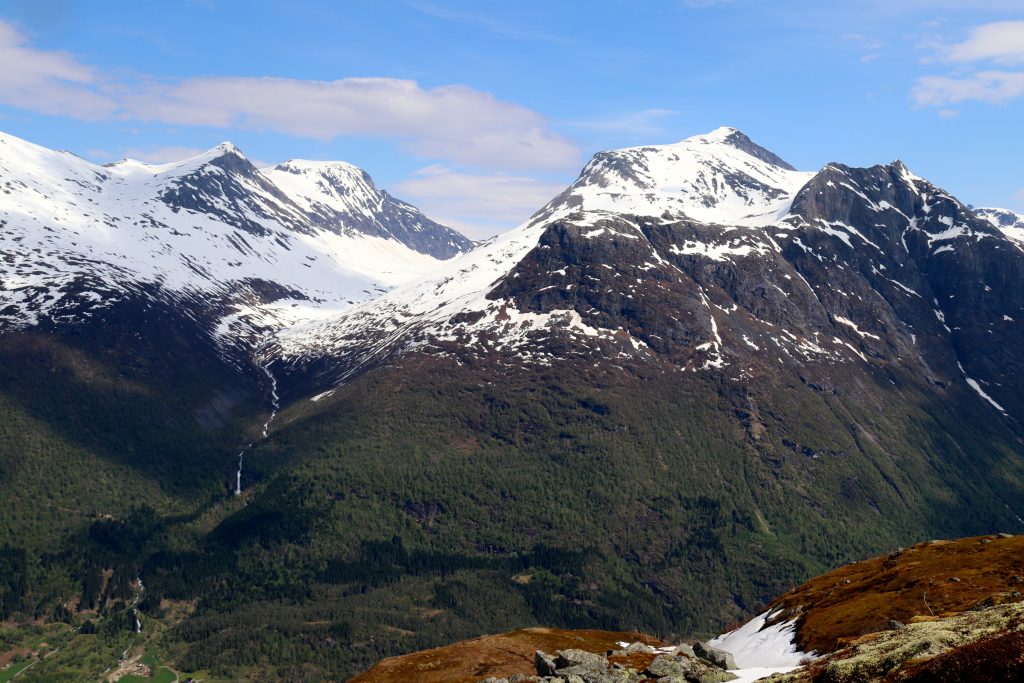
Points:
[(275, 405), (135, 613)]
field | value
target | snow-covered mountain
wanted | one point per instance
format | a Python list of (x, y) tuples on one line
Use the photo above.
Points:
[(721, 177), (713, 254), (251, 247), (710, 254), (1010, 222)]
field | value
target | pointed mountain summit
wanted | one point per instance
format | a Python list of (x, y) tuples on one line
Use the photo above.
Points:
[(721, 177)]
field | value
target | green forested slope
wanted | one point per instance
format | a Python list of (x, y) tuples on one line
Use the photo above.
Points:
[(430, 502)]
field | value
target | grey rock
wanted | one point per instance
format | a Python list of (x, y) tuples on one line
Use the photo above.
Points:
[(666, 666), (544, 663), (683, 650), (581, 658), (719, 658), (637, 647), (518, 678), (896, 625), (576, 670), (716, 676)]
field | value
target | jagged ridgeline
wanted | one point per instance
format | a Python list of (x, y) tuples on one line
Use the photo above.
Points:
[(692, 380)]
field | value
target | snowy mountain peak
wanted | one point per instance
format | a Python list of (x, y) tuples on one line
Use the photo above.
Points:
[(739, 140), (211, 228), (1010, 222), (720, 133), (331, 172), (721, 177)]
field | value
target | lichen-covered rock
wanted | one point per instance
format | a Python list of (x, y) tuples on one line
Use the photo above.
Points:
[(683, 650), (580, 658), (901, 655), (636, 647), (719, 658), (665, 666)]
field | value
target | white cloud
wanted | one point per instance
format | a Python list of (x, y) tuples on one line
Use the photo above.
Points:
[(48, 82), (452, 122), (997, 43), (1001, 42), (644, 122), (487, 23), (479, 205), (994, 87)]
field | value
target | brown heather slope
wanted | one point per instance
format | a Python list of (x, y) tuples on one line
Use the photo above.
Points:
[(500, 656), (916, 584), (932, 578)]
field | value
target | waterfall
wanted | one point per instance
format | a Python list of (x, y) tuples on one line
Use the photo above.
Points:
[(275, 405)]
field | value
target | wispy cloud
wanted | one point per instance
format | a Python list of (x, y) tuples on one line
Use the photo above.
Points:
[(49, 82), (643, 122), (488, 23), (478, 204), (994, 87), (454, 123), (869, 48), (1018, 197), (999, 43)]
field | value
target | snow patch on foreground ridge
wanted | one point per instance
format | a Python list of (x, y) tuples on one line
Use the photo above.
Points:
[(755, 645)]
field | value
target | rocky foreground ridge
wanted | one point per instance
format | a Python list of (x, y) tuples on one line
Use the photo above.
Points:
[(936, 611), (633, 663)]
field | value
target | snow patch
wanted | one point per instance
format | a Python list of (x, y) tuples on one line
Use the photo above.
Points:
[(756, 644)]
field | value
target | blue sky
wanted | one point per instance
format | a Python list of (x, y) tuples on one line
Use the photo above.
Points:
[(481, 111)]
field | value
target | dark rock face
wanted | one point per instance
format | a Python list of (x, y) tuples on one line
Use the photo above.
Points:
[(871, 266), (232, 190), (740, 141), (224, 189)]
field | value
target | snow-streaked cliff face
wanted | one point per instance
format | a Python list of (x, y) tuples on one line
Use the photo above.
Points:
[(709, 254)]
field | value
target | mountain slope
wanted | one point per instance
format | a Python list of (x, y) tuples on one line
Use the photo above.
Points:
[(213, 231)]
